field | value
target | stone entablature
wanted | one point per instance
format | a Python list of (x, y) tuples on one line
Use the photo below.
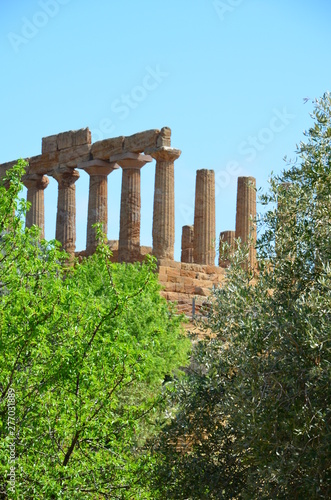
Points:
[(73, 147)]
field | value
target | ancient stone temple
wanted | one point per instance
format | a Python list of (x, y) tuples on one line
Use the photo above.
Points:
[(65, 154)]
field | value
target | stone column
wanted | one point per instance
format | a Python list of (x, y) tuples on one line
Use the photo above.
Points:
[(98, 171), (246, 214), (204, 218), (226, 237), (66, 208), (36, 184), (129, 240), (164, 202), (187, 244)]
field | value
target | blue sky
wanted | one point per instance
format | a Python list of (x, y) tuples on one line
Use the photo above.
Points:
[(230, 81)]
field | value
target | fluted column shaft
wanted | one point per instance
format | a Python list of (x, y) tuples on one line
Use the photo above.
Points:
[(129, 241), (246, 214), (66, 209), (187, 244), (97, 208), (129, 244), (36, 184), (98, 171), (164, 202), (226, 237), (204, 218)]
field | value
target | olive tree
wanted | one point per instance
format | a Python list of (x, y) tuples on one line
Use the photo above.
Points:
[(253, 417)]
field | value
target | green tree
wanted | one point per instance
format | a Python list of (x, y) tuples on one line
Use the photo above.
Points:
[(84, 351), (253, 417)]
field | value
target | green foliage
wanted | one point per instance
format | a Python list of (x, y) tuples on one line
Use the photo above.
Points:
[(254, 415), (85, 349)]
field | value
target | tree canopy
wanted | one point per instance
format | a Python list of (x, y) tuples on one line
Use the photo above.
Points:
[(84, 351), (253, 417)]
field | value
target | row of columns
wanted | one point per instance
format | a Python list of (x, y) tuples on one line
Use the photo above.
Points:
[(199, 241), (98, 170)]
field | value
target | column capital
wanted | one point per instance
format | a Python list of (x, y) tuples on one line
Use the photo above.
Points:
[(164, 153), (131, 160), (37, 181), (65, 176), (98, 167)]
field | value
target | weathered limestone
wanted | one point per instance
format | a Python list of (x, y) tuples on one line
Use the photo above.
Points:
[(246, 214), (164, 137), (72, 147), (66, 208), (36, 184), (102, 150), (137, 143), (66, 140), (129, 241), (6, 166), (98, 171), (164, 201), (226, 237), (187, 244), (182, 282), (204, 218)]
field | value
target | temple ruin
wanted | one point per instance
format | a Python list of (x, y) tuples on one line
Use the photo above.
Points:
[(64, 154)]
